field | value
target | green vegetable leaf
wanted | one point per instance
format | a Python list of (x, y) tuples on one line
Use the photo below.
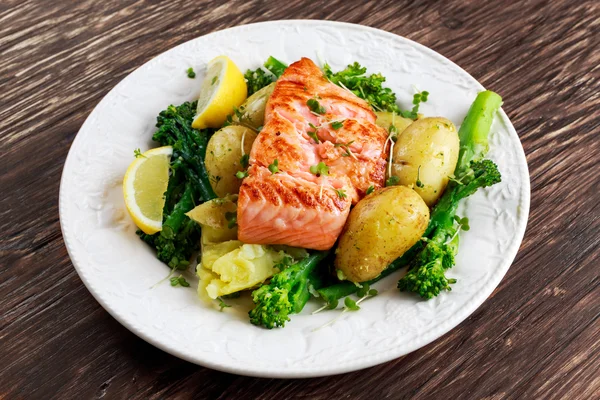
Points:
[(341, 193), (179, 281), (463, 223), (392, 180), (190, 73), (274, 167), (313, 134), (335, 125), (321, 169), (241, 174), (370, 190), (245, 160), (315, 106), (351, 304), (364, 290)]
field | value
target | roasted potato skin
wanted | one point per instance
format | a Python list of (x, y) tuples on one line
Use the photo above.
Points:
[(386, 118), (252, 111), (428, 150), (379, 229), (223, 154)]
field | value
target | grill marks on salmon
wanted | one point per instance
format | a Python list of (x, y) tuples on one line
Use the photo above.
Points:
[(294, 206)]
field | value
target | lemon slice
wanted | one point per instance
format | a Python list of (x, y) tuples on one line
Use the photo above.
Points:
[(222, 89), (144, 185)]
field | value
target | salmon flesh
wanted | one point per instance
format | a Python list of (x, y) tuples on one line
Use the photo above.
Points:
[(288, 204)]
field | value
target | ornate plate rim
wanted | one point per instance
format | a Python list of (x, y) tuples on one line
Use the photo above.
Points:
[(423, 340)]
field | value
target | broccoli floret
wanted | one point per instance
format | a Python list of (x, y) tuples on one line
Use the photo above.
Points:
[(481, 174), (426, 272), (286, 294)]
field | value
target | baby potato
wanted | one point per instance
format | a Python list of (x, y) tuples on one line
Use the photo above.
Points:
[(380, 228), (223, 154), (386, 118), (425, 155), (212, 216), (253, 109)]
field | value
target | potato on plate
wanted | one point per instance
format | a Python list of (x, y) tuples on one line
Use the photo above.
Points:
[(379, 229)]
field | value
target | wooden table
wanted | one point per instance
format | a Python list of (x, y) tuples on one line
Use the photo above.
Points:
[(537, 337)]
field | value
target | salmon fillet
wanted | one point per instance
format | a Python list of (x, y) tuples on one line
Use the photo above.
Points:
[(294, 206)]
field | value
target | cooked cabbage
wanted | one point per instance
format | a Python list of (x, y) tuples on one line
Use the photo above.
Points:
[(224, 271)]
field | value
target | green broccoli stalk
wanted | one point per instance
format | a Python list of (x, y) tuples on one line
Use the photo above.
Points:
[(425, 275), (286, 294)]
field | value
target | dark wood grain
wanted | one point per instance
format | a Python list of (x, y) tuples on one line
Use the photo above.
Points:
[(537, 337)]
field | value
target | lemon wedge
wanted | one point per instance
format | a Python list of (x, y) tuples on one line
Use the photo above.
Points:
[(144, 185), (223, 88)]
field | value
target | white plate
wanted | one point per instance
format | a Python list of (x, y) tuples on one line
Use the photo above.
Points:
[(119, 269)]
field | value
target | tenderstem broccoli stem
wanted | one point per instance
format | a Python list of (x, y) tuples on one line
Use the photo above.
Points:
[(473, 132), (331, 294)]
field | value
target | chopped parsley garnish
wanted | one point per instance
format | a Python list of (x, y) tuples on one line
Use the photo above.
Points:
[(231, 218), (335, 125), (274, 167), (392, 180), (341, 193), (179, 281), (214, 80), (241, 174), (370, 190), (321, 169), (190, 73), (315, 106), (245, 160), (137, 153)]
